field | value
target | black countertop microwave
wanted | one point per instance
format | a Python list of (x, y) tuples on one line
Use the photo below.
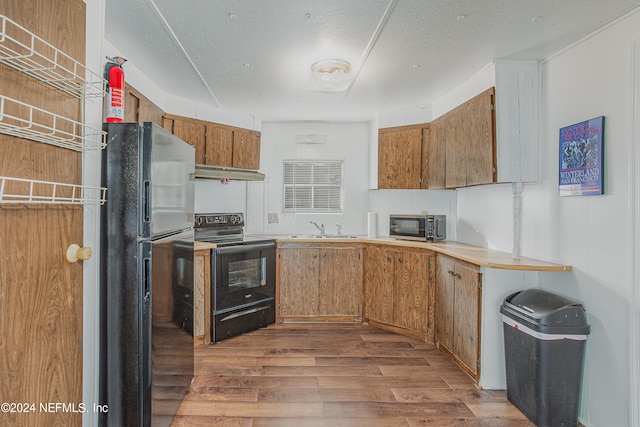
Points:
[(425, 228)]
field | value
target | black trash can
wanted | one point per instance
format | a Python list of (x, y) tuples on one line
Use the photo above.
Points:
[(544, 342)]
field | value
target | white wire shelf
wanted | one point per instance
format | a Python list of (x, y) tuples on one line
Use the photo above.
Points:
[(25, 121), (28, 191), (28, 53)]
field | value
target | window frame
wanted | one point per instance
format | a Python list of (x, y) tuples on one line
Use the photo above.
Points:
[(314, 198)]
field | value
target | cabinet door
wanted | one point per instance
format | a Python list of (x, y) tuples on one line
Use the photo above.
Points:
[(246, 149), (138, 108), (445, 284), (131, 106), (436, 154), (410, 291), (219, 147), (424, 157), (399, 158), (378, 284), (340, 289), (466, 309), (299, 269), (456, 149), (193, 134), (481, 155)]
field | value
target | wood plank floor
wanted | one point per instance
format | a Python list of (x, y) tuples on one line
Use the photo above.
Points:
[(331, 374)]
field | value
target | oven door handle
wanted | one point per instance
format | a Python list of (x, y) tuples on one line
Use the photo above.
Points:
[(236, 249)]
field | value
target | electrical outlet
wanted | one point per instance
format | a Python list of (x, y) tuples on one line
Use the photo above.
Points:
[(272, 218)]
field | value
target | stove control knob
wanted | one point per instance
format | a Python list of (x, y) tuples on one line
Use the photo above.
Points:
[(198, 220)]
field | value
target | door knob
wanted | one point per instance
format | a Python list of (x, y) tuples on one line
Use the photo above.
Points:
[(75, 253)]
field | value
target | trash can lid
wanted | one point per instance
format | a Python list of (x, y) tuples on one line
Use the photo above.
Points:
[(547, 311)]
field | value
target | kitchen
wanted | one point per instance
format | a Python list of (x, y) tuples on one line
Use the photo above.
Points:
[(561, 230)]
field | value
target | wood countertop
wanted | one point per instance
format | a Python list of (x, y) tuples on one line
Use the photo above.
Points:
[(201, 246), (477, 255)]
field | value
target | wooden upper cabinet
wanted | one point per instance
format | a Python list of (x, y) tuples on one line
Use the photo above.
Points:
[(456, 146), (138, 108), (463, 145), (436, 154), (481, 156), (399, 157), (219, 146), (246, 149), (193, 134), (424, 157)]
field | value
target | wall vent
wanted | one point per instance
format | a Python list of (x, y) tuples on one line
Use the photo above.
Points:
[(311, 138)]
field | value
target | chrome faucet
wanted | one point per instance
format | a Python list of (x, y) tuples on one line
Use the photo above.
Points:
[(319, 227), (339, 229)]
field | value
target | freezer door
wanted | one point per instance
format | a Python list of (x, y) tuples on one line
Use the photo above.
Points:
[(168, 182), (172, 275)]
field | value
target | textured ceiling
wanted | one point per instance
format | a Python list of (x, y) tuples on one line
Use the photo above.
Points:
[(254, 56)]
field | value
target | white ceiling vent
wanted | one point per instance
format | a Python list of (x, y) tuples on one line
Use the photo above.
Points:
[(311, 138)]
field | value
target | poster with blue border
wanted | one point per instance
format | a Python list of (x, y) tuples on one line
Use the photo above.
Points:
[(582, 159)]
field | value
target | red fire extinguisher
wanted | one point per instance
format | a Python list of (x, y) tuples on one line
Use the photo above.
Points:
[(114, 75)]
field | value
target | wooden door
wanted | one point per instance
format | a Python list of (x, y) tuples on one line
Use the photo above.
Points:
[(193, 134), (138, 108), (299, 268), (202, 284), (445, 286), (246, 149), (456, 147), (436, 154), (424, 157), (399, 158), (219, 146), (481, 154), (466, 321), (340, 286), (378, 283), (40, 292), (410, 291)]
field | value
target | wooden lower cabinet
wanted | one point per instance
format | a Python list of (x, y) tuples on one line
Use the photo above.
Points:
[(398, 288), (457, 311), (320, 282), (202, 296)]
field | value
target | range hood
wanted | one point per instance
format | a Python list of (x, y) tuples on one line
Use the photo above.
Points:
[(222, 172)]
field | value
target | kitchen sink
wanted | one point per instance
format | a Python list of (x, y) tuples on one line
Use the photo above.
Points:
[(322, 236)]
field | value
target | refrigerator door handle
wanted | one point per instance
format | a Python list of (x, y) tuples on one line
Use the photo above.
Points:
[(146, 291), (147, 201)]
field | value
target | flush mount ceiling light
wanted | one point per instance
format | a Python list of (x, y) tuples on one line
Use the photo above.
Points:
[(330, 75)]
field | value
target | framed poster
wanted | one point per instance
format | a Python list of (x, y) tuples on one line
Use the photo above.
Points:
[(582, 159)]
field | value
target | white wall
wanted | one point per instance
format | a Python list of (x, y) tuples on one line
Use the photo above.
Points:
[(346, 141), (589, 79), (437, 202)]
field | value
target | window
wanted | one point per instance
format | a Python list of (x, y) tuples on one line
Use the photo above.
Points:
[(312, 186)]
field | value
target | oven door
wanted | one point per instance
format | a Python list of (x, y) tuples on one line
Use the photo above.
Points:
[(243, 275)]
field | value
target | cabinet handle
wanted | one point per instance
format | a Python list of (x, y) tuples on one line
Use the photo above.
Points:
[(450, 272), (457, 275), (324, 254), (400, 260), (388, 258)]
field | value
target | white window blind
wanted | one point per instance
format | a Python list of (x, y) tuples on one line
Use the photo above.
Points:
[(312, 186)]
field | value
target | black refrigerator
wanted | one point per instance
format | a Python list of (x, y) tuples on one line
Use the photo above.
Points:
[(146, 284)]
